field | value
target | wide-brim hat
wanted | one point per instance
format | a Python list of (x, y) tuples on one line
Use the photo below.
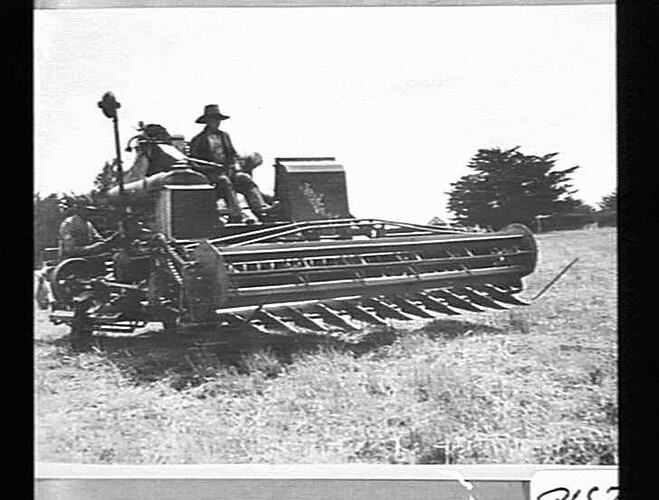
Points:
[(75, 202), (211, 111)]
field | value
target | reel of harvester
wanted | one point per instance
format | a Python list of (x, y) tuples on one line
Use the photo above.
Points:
[(315, 269)]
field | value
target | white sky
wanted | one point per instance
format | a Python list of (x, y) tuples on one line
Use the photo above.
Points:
[(402, 96)]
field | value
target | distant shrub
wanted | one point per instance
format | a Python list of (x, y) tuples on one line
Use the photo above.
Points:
[(561, 222), (607, 219)]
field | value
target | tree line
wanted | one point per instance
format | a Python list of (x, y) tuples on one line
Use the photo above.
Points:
[(506, 186)]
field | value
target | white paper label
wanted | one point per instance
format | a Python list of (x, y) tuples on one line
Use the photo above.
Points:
[(575, 484)]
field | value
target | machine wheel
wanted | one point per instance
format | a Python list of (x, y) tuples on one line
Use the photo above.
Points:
[(65, 274)]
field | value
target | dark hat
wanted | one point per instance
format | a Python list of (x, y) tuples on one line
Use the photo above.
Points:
[(211, 111), (75, 202)]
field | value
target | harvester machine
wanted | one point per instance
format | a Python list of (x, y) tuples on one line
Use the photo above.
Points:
[(314, 269)]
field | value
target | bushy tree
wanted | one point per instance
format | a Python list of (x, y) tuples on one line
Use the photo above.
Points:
[(609, 202), (106, 178), (507, 186)]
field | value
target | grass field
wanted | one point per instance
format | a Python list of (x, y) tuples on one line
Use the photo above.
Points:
[(533, 384)]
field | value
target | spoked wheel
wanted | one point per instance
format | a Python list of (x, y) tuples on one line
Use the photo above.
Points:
[(67, 274)]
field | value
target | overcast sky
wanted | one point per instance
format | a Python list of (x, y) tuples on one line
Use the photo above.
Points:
[(403, 97)]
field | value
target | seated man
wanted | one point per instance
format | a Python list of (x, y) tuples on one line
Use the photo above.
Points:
[(77, 235), (155, 151), (214, 145)]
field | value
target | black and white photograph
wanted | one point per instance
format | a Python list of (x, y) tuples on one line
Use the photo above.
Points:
[(356, 235)]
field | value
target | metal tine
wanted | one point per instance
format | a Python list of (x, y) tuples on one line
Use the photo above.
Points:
[(274, 320), (304, 321), (481, 299), (455, 301), (385, 310), (360, 313), (410, 307), (332, 318), (502, 295), (435, 305), (111, 328), (242, 322)]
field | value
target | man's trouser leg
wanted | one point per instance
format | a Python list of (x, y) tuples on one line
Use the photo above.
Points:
[(246, 186), (226, 191)]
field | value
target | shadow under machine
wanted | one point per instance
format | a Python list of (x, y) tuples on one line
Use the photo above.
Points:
[(311, 266)]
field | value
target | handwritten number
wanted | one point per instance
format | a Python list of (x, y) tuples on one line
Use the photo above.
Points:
[(555, 490), (613, 488)]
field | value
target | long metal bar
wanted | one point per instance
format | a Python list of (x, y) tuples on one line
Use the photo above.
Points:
[(337, 224), (306, 225), (309, 249), (548, 285), (120, 165)]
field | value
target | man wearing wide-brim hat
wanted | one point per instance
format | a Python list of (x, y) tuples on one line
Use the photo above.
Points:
[(77, 235), (214, 145)]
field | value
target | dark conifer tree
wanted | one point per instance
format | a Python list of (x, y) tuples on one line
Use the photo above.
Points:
[(507, 186)]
